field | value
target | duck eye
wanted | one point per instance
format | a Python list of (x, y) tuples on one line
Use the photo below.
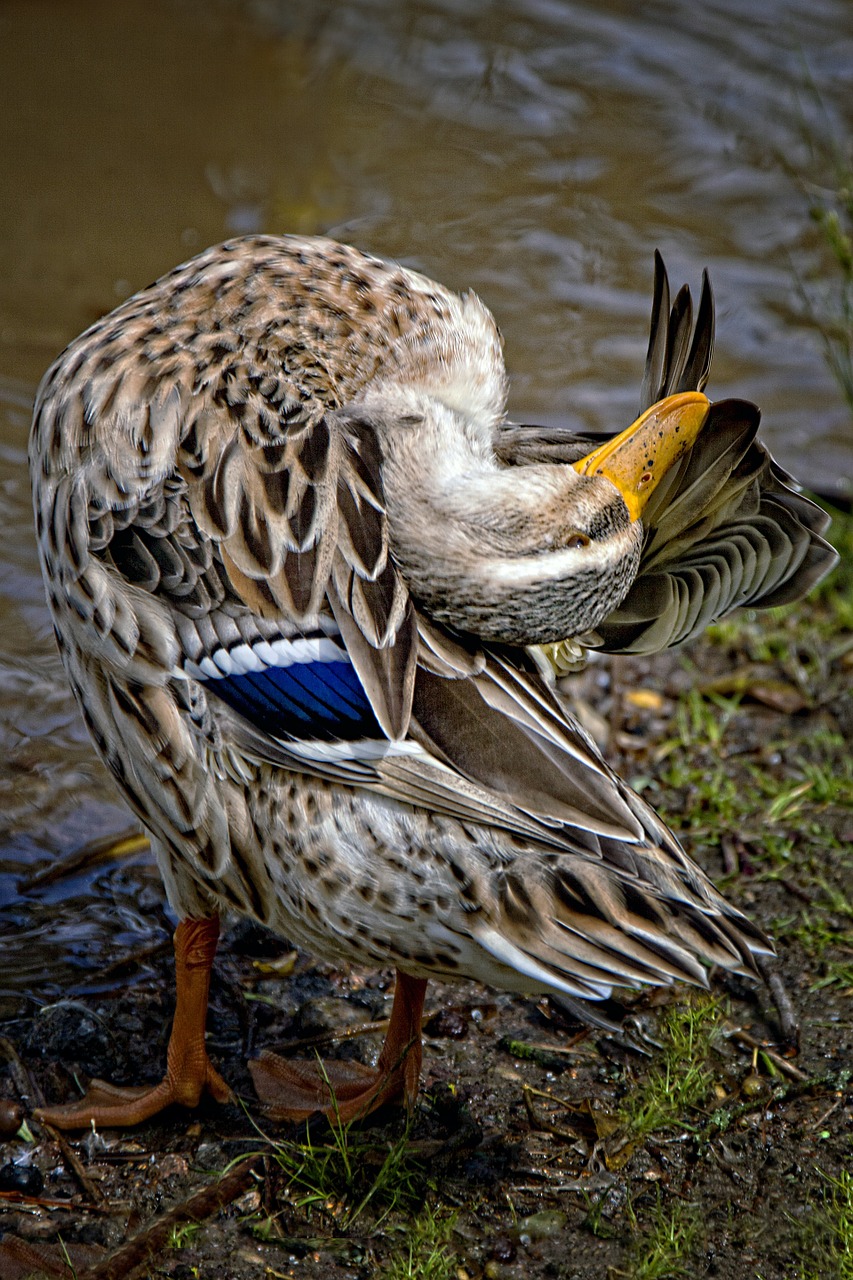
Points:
[(575, 540)]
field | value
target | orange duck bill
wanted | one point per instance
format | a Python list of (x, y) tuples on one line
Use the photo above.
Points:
[(637, 460)]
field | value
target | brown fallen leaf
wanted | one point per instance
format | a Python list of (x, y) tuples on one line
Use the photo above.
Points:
[(758, 683), (777, 694), (20, 1259)]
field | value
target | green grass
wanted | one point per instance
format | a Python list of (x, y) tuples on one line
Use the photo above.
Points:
[(423, 1250), (820, 929), (664, 1249), (66, 1258), (351, 1171), (825, 1235), (784, 800), (680, 1080), (336, 1179), (183, 1235), (836, 973)]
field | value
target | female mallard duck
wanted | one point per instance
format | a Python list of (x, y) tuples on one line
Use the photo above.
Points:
[(300, 571)]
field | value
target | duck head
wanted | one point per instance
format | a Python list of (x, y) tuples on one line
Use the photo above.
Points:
[(527, 554)]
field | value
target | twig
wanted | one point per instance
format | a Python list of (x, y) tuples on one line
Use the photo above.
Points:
[(569, 1049), (25, 1086), (797, 890), (823, 1119), (133, 1258), (73, 1164), (788, 1068), (541, 1123), (351, 1033), (787, 1017), (729, 850), (330, 1037), (43, 1260), (22, 1201), (550, 1097), (784, 1093), (104, 848)]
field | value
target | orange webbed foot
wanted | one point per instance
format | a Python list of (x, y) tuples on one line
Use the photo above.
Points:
[(341, 1091), (111, 1106), (189, 1071), (344, 1091)]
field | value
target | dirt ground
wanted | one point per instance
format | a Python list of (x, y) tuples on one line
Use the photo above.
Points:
[(708, 1138)]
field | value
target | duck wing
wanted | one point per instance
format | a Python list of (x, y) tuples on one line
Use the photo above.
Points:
[(560, 874), (198, 496)]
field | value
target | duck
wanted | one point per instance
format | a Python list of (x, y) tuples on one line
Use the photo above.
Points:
[(312, 591)]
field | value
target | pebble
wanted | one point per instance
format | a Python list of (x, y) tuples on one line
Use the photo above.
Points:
[(11, 1117), (447, 1024), (329, 1014), (23, 1178), (542, 1225)]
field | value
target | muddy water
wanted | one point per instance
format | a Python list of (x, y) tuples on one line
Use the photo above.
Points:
[(535, 151)]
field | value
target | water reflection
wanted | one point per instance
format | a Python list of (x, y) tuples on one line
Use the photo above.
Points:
[(535, 150)]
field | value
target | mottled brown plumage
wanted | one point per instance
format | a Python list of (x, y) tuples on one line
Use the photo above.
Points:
[(301, 573)]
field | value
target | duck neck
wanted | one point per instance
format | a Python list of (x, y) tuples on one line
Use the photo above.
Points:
[(492, 549)]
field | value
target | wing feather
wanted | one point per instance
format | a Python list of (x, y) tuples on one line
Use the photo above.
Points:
[(324, 535), (492, 732), (163, 499)]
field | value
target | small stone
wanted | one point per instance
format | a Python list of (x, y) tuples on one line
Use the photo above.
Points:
[(23, 1178), (210, 1155), (329, 1014), (171, 1165), (11, 1117), (752, 1085), (447, 1024), (542, 1225)]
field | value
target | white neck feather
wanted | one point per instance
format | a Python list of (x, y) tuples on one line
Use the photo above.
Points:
[(461, 368), (490, 548)]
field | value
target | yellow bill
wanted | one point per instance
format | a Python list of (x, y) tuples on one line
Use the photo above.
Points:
[(637, 460)]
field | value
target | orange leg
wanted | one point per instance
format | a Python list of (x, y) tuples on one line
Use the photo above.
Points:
[(189, 1071), (297, 1089)]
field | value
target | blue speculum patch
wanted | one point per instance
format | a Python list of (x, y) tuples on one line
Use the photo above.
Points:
[(307, 700)]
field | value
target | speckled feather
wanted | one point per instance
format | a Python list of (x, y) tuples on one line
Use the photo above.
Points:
[(285, 438)]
